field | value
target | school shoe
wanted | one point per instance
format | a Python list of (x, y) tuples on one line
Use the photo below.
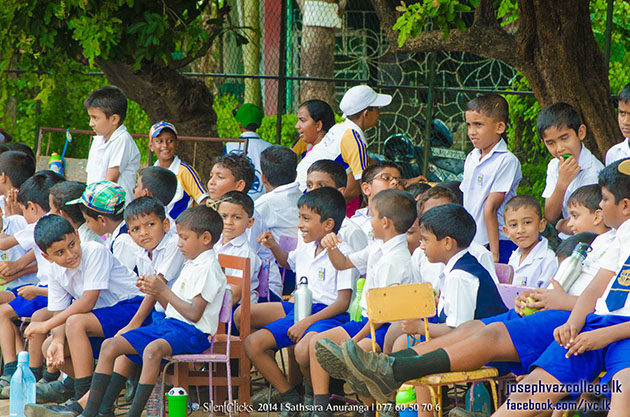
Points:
[(53, 392), (69, 409), (330, 356), (373, 369)]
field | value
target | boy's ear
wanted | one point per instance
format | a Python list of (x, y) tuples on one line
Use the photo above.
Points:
[(342, 190), (598, 217), (115, 118), (366, 188), (240, 185), (624, 205), (45, 255), (501, 127), (449, 243), (581, 133), (329, 224), (542, 225), (505, 230), (387, 223), (101, 219), (250, 223), (206, 238), (3, 178), (166, 225)]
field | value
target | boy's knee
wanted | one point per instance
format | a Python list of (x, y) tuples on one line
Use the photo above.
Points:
[(400, 343), (153, 352), (7, 312), (302, 353), (236, 318), (74, 325), (257, 342)]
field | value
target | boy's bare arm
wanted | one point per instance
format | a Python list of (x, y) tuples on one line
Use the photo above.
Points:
[(490, 208), (12, 267), (338, 307), (143, 312), (567, 170), (337, 259), (266, 239), (153, 285), (112, 174), (8, 242), (599, 338)]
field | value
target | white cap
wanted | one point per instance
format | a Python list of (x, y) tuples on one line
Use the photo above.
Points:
[(361, 97)]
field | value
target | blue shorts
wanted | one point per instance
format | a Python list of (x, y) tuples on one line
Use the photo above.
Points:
[(26, 308), (279, 328), (112, 319), (503, 317), (181, 336), (586, 366), (354, 327)]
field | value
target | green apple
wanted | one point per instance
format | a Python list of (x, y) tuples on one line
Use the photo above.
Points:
[(528, 310)]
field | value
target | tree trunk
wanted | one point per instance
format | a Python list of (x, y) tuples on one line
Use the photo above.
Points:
[(251, 51), (164, 94)]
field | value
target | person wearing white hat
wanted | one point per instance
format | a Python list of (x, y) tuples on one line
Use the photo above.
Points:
[(345, 142)]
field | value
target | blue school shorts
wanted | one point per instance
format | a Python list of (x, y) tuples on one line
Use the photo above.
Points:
[(24, 307), (112, 319), (279, 328), (503, 317), (586, 366), (181, 336), (354, 327)]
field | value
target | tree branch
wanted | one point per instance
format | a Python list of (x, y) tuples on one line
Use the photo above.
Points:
[(197, 12), (180, 63)]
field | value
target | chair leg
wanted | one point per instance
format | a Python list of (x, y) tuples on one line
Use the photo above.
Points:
[(433, 397), (495, 398), (229, 379), (210, 389), (439, 400)]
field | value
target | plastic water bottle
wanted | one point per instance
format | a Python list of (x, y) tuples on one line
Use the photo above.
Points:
[(356, 314), (303, 299), (406, 401), (22, 389), (571, 268), (177, 402), (154, 403), (55, 163)]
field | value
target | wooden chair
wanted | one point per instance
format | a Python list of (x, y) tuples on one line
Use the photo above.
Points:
[(184, 375), (413, 301), (505, 273)]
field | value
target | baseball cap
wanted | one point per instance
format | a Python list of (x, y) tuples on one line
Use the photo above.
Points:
[(361, 97), (159, 126), (247, 114), (102, 196)]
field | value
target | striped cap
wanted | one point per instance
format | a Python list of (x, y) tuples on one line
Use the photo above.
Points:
[(102, 196), (159, 126)]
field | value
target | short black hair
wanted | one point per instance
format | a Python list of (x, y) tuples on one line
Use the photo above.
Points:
[(21, 147), (93, 214), (332, 168), (110, 100), (450, 220), (588, 196), (144, 206), (373, 170), (161, 182), (617, 183), (624, 94), (519, 201), (491, 105), (398, 206), (51, 229), (202, 219), (320, 111), (436, 192), (328, 203), (278, 164), (240, 166), (565, 247), (241, 199), (18, 166), (417, 188), (454, 187), (67, 191), (37, 188), (558, 115)]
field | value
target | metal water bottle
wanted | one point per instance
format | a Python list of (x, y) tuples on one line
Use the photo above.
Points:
[(571, 268), (303, 299)]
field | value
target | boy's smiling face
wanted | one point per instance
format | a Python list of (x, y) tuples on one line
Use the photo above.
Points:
[(623, 117), (523, 227), (483, 131), (311, 226), (235, 220), (101, 124), (66, 252), (561, 141), (221, 181), (164, 146), (148, 230), (581, 219)]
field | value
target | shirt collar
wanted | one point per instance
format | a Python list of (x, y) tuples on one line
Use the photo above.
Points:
[(238, 241), (451, 262), (285, 187), (585, 160), (115, 135), (538, 252), (160, 245), (500, 147), (204, 257), (249, 135), (394, 243), (352, 125), (174, 167)]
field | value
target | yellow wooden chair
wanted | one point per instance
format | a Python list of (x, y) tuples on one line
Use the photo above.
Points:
[(414, 301)]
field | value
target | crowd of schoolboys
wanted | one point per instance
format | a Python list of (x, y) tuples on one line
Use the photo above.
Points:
[(125, 270)]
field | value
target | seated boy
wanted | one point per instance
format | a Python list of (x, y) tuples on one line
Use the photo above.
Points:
[(491, 172), (66, 191), (102, 205), (321, 212), (327, 173), (190, 190), (572, 166), (385, 262), (15, 168), (160, 183), (192, 314), (533, 262), (237, 210), (622, 149), (91, 295)]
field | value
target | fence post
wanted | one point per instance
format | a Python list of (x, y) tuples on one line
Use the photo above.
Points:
[(282, 71), (429, 115)]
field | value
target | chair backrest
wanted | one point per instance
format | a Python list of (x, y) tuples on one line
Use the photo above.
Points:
[(509, 292), (505, 273), (225, 314), (263, 279), (229, 262)]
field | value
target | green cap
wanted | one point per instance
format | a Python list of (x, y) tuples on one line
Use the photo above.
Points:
[(248, 114), (102, 196)]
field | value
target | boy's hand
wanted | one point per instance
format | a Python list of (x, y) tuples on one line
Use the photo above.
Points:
[(151, 284), (547, 299), (11, 206), (567, 170), (8, 268), (28, 292), (55, 355), (296, 331), (330, 241), (38, 327), (593, 340), (266, 239), (521, 301), (566, 334), (413, 326)]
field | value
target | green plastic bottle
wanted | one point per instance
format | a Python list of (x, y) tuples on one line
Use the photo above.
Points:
[(406, 401), (355, 308)]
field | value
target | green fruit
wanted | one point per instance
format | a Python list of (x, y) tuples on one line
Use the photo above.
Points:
[(528, 310)]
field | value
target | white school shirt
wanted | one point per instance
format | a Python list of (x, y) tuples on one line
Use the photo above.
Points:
[(259, 226), (255, 146), (279, 210), (364, 221), (619, 151), (589, 170), (458, 298), (384, 264), (353, 235), (123, 247), (98, 270), (425, 271), (119, 151), (26, 240), (590, 267), (239, 246), (87, 235), (613, 260), (10, 226), (201, 276), (323, 279), (537, 268), (498, 172)]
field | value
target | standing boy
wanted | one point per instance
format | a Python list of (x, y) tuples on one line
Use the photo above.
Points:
[(622, 149)]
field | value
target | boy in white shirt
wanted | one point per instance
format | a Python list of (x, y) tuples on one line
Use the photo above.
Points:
[(572, 166), (114, 155), (66, 191), (533, 262), (622, 149), (491, 173), (15, 168)]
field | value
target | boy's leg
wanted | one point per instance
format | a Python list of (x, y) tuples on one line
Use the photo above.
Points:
[(620, 396), (8, 333), (6, 296), (260, 347), (319, 377), (151, 359), (35, 357)]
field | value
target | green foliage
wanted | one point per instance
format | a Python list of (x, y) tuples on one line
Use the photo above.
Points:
[(227, 126), (288, 134)]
